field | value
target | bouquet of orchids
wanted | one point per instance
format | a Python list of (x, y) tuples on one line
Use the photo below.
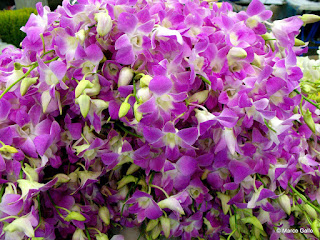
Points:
[(179, 117)]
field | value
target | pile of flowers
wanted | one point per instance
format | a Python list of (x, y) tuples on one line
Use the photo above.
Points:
[(180, 117)]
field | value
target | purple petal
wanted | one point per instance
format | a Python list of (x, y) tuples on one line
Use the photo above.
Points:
[(42, 143), (125, 56), (239, 170), (151, 134), (187, 165), (127, 22), (188, 135), (266, 193), (160, 85), (94, 53), (153, 211), (122, 42), (58, 68), (255, 7), (11, 204), (274, 84)]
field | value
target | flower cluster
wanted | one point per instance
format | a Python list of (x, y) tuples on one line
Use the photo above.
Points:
[(180, 117)]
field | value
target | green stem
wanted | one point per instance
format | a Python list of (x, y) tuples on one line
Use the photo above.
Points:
[(55, 206), (229, 237), (43, 43), (204, 79), (6, 218), (87, 233), (2, 191), (161, 189), (303, 198), (50, 51), (268, 126), (11, 86), (259, 177), (307, 99), (128, 132)]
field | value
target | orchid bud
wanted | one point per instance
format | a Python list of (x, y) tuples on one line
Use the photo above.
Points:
[(315, 228), (309, 18), (17, 66), (165, 224), (155, 232), (124, 109), (37, 238), (25, 84), (237, 53), (151, 224), (74, 216), (84, 103), (224, 202), (125, 180), (145, 80), (79, 235), (104, 23), (125, 76), (285, 204), (138, 115), (298, 42), (171, 203), (133, 168), (203, 116), (144, 94), (310, 211), (101, 236), (45, 100), (62, 178), (199, 97), (104, 214), (8, 149), (95, 89), (82, 85), (308, 119)]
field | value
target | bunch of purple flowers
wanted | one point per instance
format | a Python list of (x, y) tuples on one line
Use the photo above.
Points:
[(180, 117)]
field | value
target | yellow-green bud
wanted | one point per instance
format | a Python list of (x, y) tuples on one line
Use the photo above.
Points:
[(165, 224), (74, 216), (145, 80), (151, 224), (155, 232), (285, 204), (26, 83), (95, 89), (84, 103), (17, 66), (309, 18), (79, 235), (62, 178), (124, 109), (101, 236), (8, 149), (199, 97), (310, 211), (315, 228), (104, 23), (82, 85), (125, 180), (133, 168), (307, 117), (45, 100), (224, 201), (138, 115), (104, 214)]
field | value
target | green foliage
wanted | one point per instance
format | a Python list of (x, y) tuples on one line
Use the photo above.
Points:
[(10, 23)]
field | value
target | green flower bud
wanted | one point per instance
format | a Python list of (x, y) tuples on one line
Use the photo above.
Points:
[(224, 201), (74, 216), (133, 168), (17, 66), (199, 97), (285, 204), (101, 236), (26, 83), (310, 211), (315, 228), (125, 180), (8, 149), (45, 100), (138, 115), (62, 178), (79, 235), (82, 85), (145, 80), (95, 89), (165, 224), (155, 232), (151, 224), (309, 18), (104, 214), (100, 105), (104, 23), (124, 109), (307, 117), (84, 103)]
